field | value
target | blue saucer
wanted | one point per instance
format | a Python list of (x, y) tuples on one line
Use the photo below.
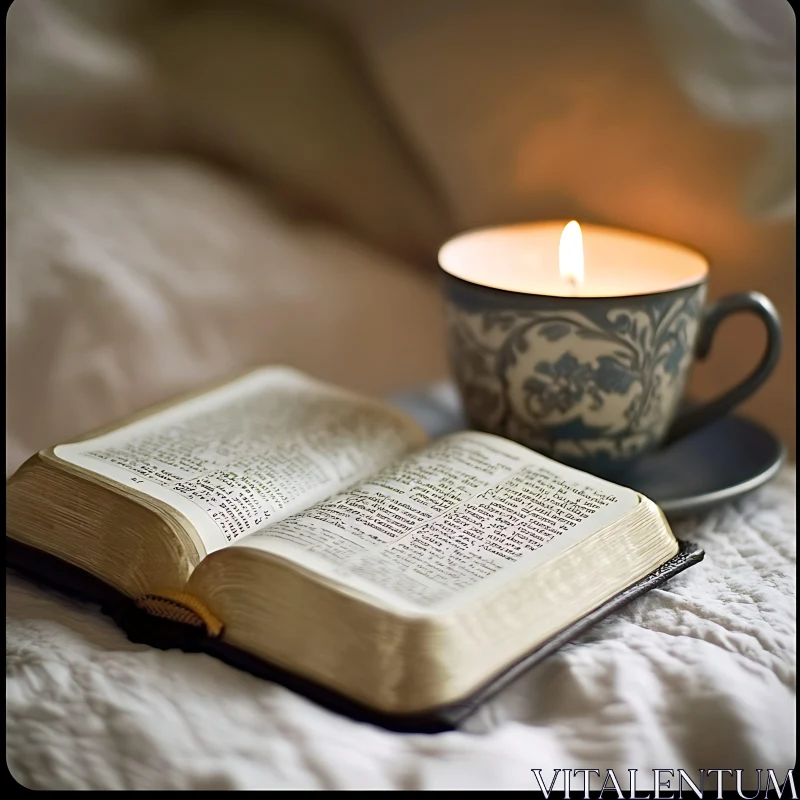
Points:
[(719, 463)]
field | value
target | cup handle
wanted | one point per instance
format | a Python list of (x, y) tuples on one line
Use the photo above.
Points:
[(754, 303)]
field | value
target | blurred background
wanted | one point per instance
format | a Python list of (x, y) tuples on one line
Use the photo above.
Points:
[(194, 186)]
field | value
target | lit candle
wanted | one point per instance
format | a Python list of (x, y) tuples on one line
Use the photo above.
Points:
[(577, 340), (569, 260)]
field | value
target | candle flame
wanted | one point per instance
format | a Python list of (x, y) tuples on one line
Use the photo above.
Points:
[(570, 254)]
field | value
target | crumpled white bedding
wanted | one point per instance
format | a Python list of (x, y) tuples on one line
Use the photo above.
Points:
[(697, 674)]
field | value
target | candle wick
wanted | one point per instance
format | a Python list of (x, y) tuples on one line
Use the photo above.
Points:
[(573, 284)]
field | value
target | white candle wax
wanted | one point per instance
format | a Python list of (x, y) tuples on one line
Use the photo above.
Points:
[(615, 263)]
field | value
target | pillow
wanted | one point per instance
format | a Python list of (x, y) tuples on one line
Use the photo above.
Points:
[(279, 95)]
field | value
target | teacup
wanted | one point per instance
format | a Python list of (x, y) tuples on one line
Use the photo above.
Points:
[(593, 381)]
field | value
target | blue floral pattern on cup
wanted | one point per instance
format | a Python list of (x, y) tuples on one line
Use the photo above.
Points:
[(593, 383)]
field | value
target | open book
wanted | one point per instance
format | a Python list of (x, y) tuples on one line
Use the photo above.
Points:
[(319, 532)]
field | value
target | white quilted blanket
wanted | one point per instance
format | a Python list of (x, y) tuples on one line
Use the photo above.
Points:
[(698, 674)]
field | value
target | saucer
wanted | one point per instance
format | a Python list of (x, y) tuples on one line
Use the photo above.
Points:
[(714, 465)]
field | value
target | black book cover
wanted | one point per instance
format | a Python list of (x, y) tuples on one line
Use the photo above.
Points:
[(142, 628)]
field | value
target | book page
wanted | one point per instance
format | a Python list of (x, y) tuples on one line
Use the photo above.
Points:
[(254, 451), (448, 522)]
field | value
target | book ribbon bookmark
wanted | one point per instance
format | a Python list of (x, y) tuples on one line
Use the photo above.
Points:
[(177, 606)]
